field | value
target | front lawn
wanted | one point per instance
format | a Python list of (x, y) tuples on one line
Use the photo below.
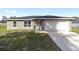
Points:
[(2, 29), (75, 29), (27, 41)]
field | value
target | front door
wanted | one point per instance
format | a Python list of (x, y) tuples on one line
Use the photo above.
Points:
[(38, 25)]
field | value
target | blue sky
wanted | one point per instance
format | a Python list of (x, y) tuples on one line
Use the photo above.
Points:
[(38, 11)]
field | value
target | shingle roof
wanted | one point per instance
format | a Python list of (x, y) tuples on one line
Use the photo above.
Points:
[(47, 17), (28, 17)]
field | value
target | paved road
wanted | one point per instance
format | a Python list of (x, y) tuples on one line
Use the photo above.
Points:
[(75, 25), (66, 41)]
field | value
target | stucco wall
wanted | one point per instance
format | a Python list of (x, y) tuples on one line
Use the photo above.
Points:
[(57, 25), (19, 25)]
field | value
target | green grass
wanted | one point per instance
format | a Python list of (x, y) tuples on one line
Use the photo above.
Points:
[(25, 41), (75, 29), (2, 29)]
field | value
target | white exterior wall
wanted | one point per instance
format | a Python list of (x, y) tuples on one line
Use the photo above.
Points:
[(19, 25), (57, 25)]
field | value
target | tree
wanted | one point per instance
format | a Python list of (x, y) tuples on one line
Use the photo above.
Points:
[(4, 17)]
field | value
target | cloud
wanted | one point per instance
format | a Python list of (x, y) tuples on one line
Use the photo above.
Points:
[(13, 11), (7, 10), (0, 17), (10, 11)]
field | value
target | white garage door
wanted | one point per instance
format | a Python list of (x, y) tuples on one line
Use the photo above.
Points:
[(56, 25)]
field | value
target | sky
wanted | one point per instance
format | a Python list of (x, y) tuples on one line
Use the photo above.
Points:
[(38, 11)]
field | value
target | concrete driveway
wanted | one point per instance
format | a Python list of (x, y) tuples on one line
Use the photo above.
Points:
[(68, 41)]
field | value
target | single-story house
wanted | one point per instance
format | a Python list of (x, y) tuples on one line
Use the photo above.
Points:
[(40, 23)]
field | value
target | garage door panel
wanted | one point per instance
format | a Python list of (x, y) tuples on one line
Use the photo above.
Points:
[(56, 25), (50, 25)]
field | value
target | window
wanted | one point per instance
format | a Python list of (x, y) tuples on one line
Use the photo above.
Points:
[(14, 23), (27, 23)]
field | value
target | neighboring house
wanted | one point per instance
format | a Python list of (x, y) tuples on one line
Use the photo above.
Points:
[(40, 23)]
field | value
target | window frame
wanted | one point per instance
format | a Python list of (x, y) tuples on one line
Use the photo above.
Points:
[(14, 23), (27, 23)]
